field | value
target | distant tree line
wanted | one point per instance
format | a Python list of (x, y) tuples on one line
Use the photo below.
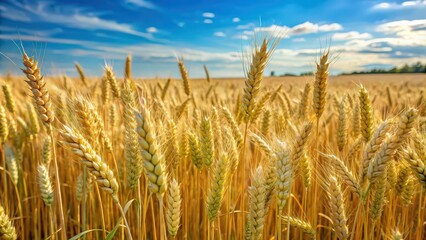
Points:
[(293, 75), (413, 68)]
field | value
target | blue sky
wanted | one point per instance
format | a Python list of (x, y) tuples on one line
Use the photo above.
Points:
[(361, 34)]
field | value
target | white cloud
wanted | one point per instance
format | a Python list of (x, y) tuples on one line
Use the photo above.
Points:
[(403, 5), (300, 29), (411, 30), (235, 20), (208, 21), (241, 36), (330, 27), (152, 30), (208, 15), (142, 4), (219, 34), (407, 32), (351, 35), (383, 5)]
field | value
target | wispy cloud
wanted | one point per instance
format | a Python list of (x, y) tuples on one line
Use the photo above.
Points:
[(142, 4), (45, 39), (236, 19), (403, 5), (156, 53), (35, 32), (79, 19), (208, 15), (208, 21), (13, 14), (350, 35), (300, 29)]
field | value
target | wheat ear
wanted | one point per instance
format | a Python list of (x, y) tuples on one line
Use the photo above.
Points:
[(185, 78), (306, 227), (376, 206), (81, 73), (372, 147), (4, 129), (217, 187), (320, 85), (34, 124), (10, 102), (206, 71), (93, 162), (45, 185), (254, 76), (12, 165), (418, 167), (284, 176), (356, 121), (153, 158), (257, 195), (345, 174), (133, 156), (174, 201), (337, 208), (38, 87), (342, 135), (7, 230), (128, 67), (366, 114), (298, 149), (303, 105), (110, 76), (207, 142), (377, 167)]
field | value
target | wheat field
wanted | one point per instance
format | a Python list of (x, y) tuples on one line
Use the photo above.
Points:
[(117, 157)]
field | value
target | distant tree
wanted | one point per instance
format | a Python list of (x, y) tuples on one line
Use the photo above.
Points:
[(306, 74), (272, 73)]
